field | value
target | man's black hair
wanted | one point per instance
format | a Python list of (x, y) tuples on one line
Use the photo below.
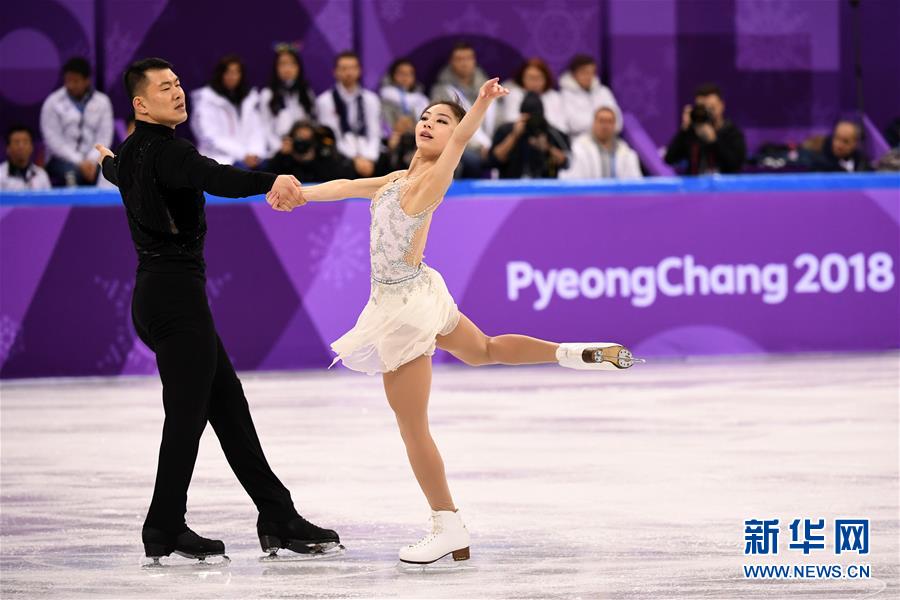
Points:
[(136, 74), (708, 89), (16, 129), (78, 65)]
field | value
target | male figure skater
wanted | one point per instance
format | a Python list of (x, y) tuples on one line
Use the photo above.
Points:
[(162, 180)]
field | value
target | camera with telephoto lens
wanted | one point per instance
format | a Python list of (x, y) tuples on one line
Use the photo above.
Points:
[(303, 146), (536, 125), (700, 115), (325, 142), (322, 142)]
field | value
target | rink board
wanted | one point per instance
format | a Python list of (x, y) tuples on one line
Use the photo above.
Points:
[(668, 266)]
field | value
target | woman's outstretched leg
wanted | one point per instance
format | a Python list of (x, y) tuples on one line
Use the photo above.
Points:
[(407, 391), (467, 343)]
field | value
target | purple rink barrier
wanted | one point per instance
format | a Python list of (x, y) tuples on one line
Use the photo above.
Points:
[(669, 266)]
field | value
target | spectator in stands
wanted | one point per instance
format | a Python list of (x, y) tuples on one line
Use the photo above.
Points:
[(530, 147), (226, 120), (707, 142), (287, 99), (353, 113), (533, 76), (601, 154), (841, 151), (402, 97), (891, 160), (308, 153), (19, 172), (460, 80), (73, 119), (399, 148), (582, 94)]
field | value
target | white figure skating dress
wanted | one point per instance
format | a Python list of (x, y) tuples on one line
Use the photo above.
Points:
[(409, 303)]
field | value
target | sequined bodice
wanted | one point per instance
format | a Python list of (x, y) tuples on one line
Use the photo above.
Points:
[(397, 239)]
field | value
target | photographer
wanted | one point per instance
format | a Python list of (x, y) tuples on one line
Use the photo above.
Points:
[(399, 149), (308, 153), (707, 142), (530, 147)]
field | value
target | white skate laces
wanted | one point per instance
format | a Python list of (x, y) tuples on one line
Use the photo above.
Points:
[(448, 536), (608, 356)]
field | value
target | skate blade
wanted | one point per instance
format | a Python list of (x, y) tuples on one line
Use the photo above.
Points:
[(186, 562), (315, 552), (452, 561), (610, 358), (442, 565)]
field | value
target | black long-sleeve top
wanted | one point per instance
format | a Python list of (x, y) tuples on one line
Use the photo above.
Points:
[(162, 179), (725, 155)]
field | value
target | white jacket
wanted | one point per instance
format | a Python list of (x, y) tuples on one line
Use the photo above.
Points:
[(580, 104), (349, 144), (70, 134), (586, 161), (223, 133), (552, 100), (396, 101), (449, 87), (35, 179), (277, 126)]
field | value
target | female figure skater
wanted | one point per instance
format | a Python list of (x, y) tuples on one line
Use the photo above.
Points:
[(410, 311)]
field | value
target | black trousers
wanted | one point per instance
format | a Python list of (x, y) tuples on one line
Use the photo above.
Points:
[(172, 317)]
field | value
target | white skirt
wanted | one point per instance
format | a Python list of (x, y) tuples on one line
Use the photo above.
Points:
[(398, 324)]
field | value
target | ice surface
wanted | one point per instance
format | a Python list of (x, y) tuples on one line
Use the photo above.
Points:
[(631, 484)]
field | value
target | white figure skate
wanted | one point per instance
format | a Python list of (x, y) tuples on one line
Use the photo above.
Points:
[(448, 536), (599, 355)]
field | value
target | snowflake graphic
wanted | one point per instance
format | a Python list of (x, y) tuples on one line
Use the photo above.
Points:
[(120, 46), (126, 349), (768, 17), (638, 91), (10, 340), (123, 348), (332, 21), (771, 36), (337, 263), (472, 21), (391, 10), (216, 285), (140, 359), (557, 31)]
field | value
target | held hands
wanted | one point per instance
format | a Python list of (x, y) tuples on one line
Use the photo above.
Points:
[(491, 90), (286, 194)]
